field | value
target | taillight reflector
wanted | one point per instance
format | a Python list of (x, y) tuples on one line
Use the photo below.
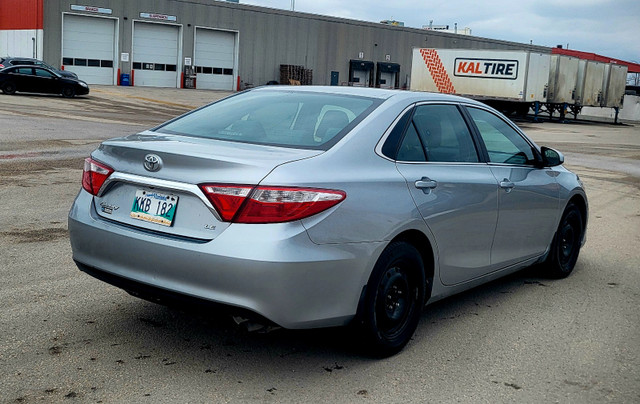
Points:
[(264, 204), (94, 175)]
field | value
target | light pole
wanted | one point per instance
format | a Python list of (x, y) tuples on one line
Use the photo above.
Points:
[(293, 5)]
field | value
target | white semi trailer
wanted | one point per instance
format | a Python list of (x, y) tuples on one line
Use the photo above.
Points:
[(515, 81), (509, 80)]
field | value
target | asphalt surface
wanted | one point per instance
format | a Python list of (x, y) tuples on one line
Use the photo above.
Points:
[(66, 337)]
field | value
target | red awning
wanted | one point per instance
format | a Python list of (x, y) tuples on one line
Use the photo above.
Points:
[(633, 67)]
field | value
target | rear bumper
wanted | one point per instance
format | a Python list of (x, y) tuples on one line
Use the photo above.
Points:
[(167, 297), (272, 270)]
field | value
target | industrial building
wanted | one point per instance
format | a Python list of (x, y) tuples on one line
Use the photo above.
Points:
[(216, 45)]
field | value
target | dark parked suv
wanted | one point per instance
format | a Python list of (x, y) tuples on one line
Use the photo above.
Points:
[(14, 61)]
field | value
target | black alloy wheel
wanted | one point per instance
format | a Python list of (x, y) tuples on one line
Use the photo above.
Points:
[(394, 299), (68, 92), (9, 88), (565, 247)]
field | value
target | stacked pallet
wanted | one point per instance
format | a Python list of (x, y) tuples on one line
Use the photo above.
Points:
[(295, 75)]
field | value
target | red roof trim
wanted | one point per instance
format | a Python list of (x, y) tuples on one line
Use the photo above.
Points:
[(633, 67)]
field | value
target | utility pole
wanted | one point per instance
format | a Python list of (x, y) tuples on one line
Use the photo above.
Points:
[(293, 5)]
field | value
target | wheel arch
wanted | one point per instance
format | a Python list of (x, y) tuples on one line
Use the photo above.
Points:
[(421, 242), (580, 202)]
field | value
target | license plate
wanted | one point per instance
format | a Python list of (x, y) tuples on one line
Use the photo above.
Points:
[(154, 207)]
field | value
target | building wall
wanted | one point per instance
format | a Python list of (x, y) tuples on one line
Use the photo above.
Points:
[(268, 38), (21, 28)]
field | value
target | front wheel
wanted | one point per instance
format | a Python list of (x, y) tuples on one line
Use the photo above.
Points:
[(393, 300), (68, 92), (566, 244), (9, 88)]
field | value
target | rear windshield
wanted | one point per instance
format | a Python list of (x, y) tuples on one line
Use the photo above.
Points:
[(280, 118)]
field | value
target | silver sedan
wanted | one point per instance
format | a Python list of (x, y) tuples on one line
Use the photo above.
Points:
[(323, 206)]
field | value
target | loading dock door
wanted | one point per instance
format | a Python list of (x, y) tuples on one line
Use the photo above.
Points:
[(215, 53), (387, 75), (155, 54), (360, 73), (88, 47)]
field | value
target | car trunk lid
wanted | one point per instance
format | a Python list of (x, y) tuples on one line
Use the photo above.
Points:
[(182, 163)]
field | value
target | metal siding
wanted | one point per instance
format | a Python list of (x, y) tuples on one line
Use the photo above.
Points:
[(563, 77), (21, 14), (592, 87), (21, 42), (615, 85), (270, 37), (537, 81)]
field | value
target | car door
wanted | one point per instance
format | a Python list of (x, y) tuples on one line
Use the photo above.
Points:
[(455, 192), (528, 193), (23, 77), (45, 82)]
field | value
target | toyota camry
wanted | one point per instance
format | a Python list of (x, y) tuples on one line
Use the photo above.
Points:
[(307, 207)]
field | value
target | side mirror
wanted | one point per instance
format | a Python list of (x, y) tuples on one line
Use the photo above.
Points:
[(551, 157)]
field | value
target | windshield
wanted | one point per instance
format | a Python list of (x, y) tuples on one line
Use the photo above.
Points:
[(43, 64), (293, 119)]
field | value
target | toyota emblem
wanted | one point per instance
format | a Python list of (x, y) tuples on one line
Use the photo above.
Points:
[(152, 162)]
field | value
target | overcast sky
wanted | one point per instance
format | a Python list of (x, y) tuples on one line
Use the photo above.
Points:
[(607, 27)]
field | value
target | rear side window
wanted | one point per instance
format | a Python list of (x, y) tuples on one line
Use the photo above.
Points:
[(294, 119), (390, 146), (444, 134), (24, 70), (411, 148), (437, 133)]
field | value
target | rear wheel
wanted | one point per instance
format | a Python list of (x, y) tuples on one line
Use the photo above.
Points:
[(9, 88), (566, 244), (394, 299), (68, 92)]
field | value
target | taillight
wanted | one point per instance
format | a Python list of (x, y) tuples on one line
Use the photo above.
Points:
[(226, 198), (94, 175), (264, 204)]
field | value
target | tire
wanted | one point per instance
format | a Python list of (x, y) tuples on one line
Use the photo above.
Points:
[(9, 88), (566, 244), (393, 301), (68, 92)]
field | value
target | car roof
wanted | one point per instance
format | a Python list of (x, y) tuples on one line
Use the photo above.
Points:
[(30, 66), (21, 58), (384, 94)]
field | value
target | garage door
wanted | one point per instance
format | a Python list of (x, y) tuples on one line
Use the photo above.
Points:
[(214, 59), (88, 47), (155, 54)]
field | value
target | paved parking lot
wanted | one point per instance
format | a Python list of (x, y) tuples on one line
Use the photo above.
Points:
[(66, 337)]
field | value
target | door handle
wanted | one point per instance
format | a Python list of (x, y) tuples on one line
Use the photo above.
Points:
[(426, 184), (507, 185)]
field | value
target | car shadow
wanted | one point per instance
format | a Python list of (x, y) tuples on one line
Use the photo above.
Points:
[(203, 341)]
